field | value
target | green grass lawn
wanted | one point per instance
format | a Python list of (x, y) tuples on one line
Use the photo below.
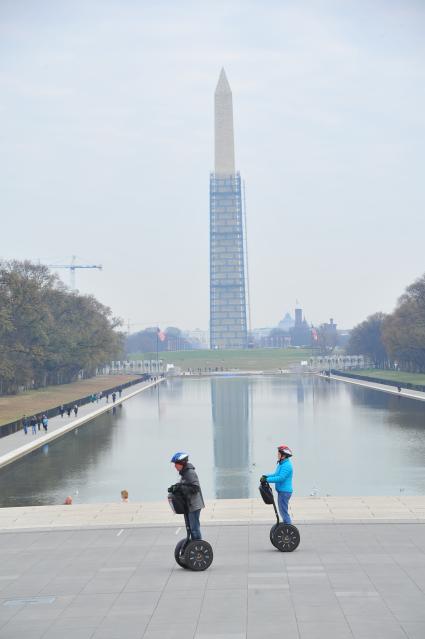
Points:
[(394, 376), (258, 359)]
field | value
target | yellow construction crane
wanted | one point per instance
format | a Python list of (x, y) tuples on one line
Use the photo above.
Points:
[(72, 268)]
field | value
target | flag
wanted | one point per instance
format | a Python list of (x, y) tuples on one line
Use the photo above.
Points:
[(161, 335)]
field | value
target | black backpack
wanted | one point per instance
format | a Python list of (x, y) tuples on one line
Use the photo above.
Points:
[(266, 493), (177, 503)]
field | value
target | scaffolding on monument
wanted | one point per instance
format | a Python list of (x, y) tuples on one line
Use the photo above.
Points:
[(228, 325)]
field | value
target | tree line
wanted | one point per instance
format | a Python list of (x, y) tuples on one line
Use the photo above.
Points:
[(49, 334), (148, 340), (395, 339)]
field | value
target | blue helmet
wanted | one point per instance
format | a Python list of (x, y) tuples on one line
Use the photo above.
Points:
[(179, 458)]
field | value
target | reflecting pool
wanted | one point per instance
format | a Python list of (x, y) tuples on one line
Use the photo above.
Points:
[(347, 440)]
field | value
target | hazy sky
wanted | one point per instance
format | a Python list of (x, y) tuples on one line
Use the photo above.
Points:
[(106, 144)]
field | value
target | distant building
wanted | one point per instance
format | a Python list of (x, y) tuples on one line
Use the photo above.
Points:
[(301, 332), (276, 339), (198, 338), (298, 317), (286, 323), (328, 334), (259, 333), (330, 329)]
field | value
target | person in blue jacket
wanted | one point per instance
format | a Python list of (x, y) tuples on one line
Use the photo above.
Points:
[(282, 477)]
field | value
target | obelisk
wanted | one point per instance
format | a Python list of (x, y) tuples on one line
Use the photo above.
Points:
[(228, 328), (224, 136)]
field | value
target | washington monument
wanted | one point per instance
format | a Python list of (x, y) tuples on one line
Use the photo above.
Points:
[(228, 328)]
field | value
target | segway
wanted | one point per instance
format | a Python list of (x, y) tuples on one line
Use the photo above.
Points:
[(284, 537), (192, 554)]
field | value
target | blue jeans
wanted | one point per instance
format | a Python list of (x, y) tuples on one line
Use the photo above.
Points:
[(283, 501), (195, 526)]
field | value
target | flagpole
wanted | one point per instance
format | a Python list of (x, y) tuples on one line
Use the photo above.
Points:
[(157, 338), (157, 371)]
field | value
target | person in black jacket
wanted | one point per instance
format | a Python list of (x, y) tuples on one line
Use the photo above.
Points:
[(190, 488), (33, 423)]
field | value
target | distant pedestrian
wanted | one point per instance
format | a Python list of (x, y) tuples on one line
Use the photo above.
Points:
[(124, 496), (61, 410), (39, 422), (120, 392), (107, 397), (33, 423), (25, 424), (98, 397), (75, 410), (399, 389), (45, 422), (92, 398), (114, 396), (68, 411), (68, 501)]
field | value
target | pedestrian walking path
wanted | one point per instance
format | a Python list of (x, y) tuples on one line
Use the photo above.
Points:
[(351, 581), (235, 511), (13, 407), (392, 390), (18, 444)]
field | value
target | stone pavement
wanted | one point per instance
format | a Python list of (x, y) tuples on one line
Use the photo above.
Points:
[(357, 581), (303, 510), (18, 444), (392, 390)]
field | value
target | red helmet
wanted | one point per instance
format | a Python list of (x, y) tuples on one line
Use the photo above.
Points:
[(285, 450)]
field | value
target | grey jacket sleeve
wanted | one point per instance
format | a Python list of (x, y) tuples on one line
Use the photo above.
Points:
[(192, 490), (190, 482)]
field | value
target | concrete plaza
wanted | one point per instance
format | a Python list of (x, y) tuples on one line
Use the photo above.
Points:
[(346, 580)]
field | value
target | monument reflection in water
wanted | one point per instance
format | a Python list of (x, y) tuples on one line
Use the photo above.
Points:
[(347, 440), (230, 404)]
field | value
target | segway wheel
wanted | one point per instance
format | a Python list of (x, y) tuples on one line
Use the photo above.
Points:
[(272, 531), (286, 537), (178, 556), (198, 555)]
